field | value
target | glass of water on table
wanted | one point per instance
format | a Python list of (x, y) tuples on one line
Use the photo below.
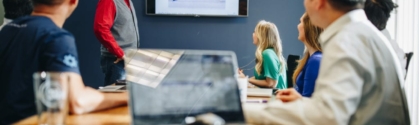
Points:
[(51, 95)]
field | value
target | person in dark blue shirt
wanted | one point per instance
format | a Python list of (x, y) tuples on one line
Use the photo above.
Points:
[(30, 44), (38, 43), (307, 70)]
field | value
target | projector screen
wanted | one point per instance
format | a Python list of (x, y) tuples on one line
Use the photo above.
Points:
[(197, 7)]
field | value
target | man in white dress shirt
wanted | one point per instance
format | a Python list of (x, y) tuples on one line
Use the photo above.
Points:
[(359, 81)]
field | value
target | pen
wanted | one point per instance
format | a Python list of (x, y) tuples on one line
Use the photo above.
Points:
[(257, 101)]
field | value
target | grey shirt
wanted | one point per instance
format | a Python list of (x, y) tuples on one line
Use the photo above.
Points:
[(359, 82), (125, 27)]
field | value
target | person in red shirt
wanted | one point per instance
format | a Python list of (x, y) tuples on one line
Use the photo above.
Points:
[(116, 28)]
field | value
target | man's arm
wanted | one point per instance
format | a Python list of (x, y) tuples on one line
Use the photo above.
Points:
[(84, 99), (104, 20), (60, 55), (337, 92)]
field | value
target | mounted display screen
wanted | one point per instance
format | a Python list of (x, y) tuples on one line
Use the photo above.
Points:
[(223, 8)]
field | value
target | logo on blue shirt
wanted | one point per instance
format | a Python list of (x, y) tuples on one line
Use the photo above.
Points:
[(70, 61)]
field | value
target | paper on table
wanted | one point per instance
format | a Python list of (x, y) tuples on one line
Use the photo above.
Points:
[(259, 92)]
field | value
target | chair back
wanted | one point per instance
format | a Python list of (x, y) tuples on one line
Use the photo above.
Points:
[(291, 66), (408, 58)]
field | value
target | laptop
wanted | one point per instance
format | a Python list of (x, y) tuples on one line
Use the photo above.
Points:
[(172, 86)]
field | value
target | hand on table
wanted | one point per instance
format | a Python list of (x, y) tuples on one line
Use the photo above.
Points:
[(241, 74), (251, 86), (288, 95)]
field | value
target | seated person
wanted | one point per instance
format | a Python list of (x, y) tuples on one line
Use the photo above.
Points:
[(378, 12), (356, 85), (36, 43), (308, 68), (270, 69), (14, 9)]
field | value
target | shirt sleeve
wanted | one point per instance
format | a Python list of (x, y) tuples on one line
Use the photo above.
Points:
[(104, 20), (60, 54), (310, 76), (337, 93), (270, 65)]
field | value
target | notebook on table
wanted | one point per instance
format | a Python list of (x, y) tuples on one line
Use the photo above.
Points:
[(113, 88), (119, 86), (260, 92)]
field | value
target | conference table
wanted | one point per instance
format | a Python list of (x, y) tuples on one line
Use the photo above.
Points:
[(118, 115)]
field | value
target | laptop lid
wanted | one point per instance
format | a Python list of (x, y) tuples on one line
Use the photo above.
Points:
[(167, 86)]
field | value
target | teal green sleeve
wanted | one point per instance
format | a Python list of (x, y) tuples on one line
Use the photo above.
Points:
[(270, 64)]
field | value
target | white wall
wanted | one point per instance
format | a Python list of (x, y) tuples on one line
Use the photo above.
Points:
[(404, 28)]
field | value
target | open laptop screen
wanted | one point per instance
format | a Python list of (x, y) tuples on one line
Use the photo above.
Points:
[(195, 83)]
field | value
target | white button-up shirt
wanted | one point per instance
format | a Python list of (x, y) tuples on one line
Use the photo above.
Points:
[(399, 52), (358, 82)]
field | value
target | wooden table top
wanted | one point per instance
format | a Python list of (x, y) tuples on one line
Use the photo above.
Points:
[(118, 115)]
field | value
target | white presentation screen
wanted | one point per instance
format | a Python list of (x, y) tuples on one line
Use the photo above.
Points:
[(197, 7)]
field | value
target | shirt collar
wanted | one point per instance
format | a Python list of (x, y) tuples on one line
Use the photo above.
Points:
[(6, 21), (352, 16)]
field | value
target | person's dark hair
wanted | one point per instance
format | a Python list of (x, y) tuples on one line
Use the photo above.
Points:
[(47, 2), (347, 5), (16, 8), (378, 12)]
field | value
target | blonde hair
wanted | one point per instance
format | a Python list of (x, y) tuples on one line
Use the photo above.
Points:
[(268, 37), (311, 34)]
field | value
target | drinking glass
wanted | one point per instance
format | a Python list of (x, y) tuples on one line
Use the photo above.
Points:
[(51, 95), (243, 82)]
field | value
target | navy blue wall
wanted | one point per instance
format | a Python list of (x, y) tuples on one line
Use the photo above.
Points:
[(190, 32)]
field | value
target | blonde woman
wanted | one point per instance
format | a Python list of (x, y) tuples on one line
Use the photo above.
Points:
[(307, 70), (270, 69)]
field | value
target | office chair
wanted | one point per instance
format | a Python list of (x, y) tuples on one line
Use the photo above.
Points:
[(408, 58), (291, 66)]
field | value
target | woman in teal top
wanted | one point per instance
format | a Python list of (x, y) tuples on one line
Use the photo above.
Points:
[(270, 64)]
